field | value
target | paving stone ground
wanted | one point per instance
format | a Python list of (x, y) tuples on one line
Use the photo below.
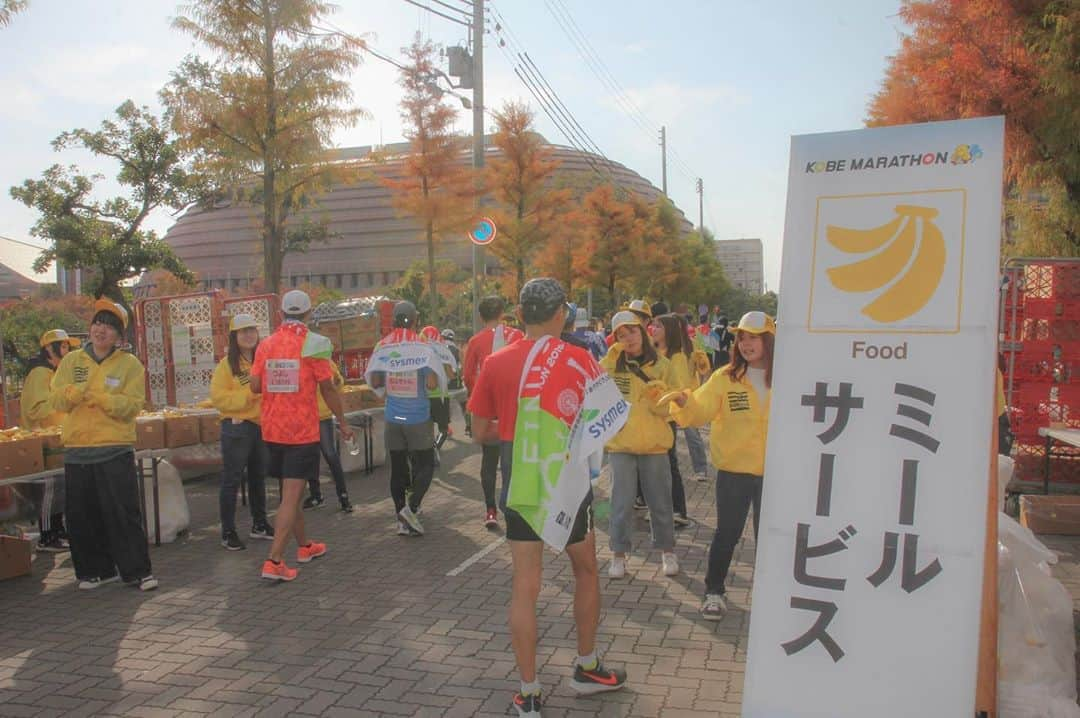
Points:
[(376, 627)]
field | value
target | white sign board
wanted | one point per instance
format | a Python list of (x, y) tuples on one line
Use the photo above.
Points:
[(867, 589)]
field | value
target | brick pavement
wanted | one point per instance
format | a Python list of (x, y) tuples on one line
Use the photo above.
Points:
[(373, 628)]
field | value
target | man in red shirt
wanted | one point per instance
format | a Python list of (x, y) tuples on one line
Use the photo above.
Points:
[(494, 405), (290, 366), (494, 336)]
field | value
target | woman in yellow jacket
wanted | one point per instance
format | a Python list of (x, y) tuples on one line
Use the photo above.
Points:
[(639, 451), (38, 413), (736, 400), (102, 389), (242, 447), (331, 453)]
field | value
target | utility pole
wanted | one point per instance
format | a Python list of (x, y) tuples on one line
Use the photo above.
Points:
[(701, 207), (478, 135), (663, 159)]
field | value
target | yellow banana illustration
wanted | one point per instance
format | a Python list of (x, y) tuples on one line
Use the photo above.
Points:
[(859, 241), (913, 290)]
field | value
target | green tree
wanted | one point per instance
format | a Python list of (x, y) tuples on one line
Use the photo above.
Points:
[(260, 116), (8, 8), (22, 322), (530, 212), (436, 187), (107, 236), (700, 278)]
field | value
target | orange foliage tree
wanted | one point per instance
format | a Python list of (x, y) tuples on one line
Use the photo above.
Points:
[(1017, 58), (611, 239), (530, 212), (436, 187)]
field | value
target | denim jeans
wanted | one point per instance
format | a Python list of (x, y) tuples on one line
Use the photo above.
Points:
[(678, 491), (242, 451), (329, 448), (654, 472), (698, 458), (734, 495)]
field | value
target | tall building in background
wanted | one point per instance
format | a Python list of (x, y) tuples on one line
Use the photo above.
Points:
[(744, 263)]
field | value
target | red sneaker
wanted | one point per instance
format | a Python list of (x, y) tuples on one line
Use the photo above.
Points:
[(278, 571), (490, 520), (314, 549)]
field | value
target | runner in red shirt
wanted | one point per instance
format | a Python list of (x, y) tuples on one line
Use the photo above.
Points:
[(289, 367), (494, 404), (493, 337)]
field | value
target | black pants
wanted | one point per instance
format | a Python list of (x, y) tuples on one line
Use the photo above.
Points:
[(440, 413), (489, 467), (734, 494), (410, 471), (329, 448), (243, 455), (678, 492), (105, 520)]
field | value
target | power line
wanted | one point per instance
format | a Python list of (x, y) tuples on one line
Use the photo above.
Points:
[(467, 13), (436, 12)]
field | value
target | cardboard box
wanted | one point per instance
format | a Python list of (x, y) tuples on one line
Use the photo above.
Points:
[(21, 457), (149, 433), (209, 428), (181, 431), (14, 557), (360, 333), (1051, 514), (53, 449)]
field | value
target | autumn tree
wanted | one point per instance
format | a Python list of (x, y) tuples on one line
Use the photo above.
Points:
[(611, 234), (260, 115), (106, 236), (8, 8), (990, 57), (529, 211), (436, 188)]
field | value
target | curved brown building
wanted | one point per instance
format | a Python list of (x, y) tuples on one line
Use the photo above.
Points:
[(372, 245)]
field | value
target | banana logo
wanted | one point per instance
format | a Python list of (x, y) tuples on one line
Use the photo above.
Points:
[(911, 232)]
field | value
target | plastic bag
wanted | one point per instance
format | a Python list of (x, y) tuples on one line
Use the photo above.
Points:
[(1036, 640), (172, 503)]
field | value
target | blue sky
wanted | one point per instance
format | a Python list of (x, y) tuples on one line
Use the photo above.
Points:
[(731, 81)]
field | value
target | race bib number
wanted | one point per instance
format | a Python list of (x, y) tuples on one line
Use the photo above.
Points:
[(402, 384), (283, 376), (112, 382)]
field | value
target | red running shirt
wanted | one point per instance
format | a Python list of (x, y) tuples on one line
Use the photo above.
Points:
[(290, 363), (481, 346)]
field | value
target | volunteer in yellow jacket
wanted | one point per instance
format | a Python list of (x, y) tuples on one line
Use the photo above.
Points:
[(38, 413), (328, 445), (736, 400), (102, 389), (243, 452), (639, 451)]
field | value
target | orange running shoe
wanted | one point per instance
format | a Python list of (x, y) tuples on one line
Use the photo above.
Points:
[(278, 571), (314, 549)]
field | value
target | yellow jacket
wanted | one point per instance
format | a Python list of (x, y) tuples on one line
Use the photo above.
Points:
[(647, 430), (740, 421), (231, 394), (36, 402), (683, 375), (102, 400), (339, 381)]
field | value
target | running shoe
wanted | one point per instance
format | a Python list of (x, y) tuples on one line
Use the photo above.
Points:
[(278, 571), (617, 569), (714, 607), (527, 706), (263, 532), (147, 583), (232, 542), (671, 564), (598, 679), (314, 549), (346, 505), (407, 515), (90, 584), (53, 544), (491, 520), (681, 520), (314, 502)]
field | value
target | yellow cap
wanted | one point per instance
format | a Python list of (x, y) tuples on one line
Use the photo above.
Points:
[(757, 323), (242, 321), (103, 304), (59, 335), (639, 307)]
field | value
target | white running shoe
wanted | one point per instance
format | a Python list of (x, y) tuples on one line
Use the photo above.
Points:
[(407, 515), (671, 564), (617, 569), (714, 607)]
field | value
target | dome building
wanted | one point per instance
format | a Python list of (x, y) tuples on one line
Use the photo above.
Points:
[(372, 244)]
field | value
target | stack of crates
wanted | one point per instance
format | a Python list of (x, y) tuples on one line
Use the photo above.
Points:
[(1040, 333)]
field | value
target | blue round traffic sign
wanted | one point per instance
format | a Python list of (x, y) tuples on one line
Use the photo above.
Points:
[(484, 232)]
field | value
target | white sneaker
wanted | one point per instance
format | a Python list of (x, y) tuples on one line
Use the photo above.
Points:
[(714, 607), (91, 584), (701, 476), (671, 564), (407, 515), (617, 569), (403, 529), (148, 583)]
